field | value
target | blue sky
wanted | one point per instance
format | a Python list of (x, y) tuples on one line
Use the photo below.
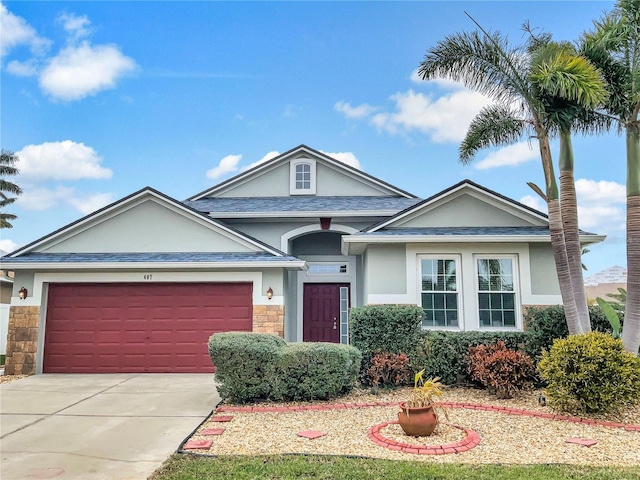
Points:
[(100, 99)]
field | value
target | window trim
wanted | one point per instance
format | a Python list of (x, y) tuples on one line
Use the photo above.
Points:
[(516, 289), (292, 177), (310, 273), (459, 287)]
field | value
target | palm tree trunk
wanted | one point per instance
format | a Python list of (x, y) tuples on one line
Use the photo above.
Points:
[(557, 236), (631, 327), (569, 214)]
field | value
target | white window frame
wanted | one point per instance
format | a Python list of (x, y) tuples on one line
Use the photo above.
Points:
[(459, 286), (292, 177), (516, 290), (344, 315), (311, 273)]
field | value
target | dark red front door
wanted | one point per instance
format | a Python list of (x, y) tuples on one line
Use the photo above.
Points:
[(321, 312), (150, 327)]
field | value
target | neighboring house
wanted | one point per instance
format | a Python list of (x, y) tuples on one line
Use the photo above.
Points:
[(287, 247), (605, 282)]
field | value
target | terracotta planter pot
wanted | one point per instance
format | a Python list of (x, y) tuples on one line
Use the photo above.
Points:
[(417, 422)]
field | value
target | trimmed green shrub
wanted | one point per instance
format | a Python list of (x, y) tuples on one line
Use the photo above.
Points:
[(445, 354), (590, 373), (310, 371), (500, 369), (545, 324), (244, 364), (385, 328)]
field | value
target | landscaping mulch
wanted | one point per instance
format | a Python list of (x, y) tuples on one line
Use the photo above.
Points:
[(505, 438), (11, 378)]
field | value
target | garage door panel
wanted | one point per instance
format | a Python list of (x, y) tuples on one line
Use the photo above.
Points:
[(140, 327)]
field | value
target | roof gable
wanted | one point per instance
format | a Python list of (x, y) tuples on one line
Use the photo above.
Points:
[(146, 221), (465, 204), (271, 179)]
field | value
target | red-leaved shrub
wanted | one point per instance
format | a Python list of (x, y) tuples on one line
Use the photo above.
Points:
[(389, 369), (500, 369)]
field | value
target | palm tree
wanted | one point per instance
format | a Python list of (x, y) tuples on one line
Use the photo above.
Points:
[(614, 46), (8, 160), (488, 64), (553, 65)]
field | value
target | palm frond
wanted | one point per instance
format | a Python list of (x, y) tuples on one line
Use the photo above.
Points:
[(495, 125), (484, 63)]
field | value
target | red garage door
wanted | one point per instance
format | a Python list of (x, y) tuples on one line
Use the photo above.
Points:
[(155, 328)]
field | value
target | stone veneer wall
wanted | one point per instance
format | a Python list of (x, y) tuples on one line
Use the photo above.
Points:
[(22, 340), (269, 319)]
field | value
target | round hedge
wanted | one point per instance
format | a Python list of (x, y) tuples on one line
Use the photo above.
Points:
[(590, 373)]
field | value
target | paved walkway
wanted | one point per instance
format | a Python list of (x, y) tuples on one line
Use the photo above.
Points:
[(109, 426)]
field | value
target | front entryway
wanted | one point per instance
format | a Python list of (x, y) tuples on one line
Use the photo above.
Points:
[(324, 311)]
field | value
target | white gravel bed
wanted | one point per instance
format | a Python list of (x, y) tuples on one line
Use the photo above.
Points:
[(513, 439)]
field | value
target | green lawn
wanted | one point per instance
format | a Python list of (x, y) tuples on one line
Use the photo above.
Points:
[(186, 467)]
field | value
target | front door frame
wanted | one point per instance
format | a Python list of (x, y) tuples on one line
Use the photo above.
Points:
[(338, 309), (304, 277)]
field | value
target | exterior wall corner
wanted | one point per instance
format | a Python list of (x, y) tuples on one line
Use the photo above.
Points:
[(22, 340)]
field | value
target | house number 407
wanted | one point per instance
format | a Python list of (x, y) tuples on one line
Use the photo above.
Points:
[(148, 276)]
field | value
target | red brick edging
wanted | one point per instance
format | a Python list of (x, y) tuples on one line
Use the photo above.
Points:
[(471, 406), (471, 440)]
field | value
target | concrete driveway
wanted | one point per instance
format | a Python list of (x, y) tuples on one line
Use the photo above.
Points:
[(109, 426)]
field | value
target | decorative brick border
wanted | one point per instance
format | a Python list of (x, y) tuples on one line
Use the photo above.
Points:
[(471, 440), (471, 406)]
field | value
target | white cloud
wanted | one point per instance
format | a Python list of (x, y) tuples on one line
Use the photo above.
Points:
[(266, 158), (79, 71), (602, 218), (77, 26), (534, 201), (15, 31), (28, 68), (7, 245), (359, 112), (40, 199), (601, 191), (228, 164), (445, 119), (64, 160), (601, 205), (346, 157), (511, 155), (91, 203)]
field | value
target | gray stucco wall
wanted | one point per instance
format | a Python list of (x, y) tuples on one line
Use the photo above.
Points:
[(544, 280), (385, 269), (329, 182), (464, 211), (274, 183), (271, 232), (148, 227)]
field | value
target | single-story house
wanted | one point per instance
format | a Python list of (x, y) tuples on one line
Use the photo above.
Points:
[(286, 247)]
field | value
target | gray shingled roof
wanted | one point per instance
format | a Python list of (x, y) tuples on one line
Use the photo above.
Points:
[(427, 231), (194, 257), (300, 204), (444, 231)]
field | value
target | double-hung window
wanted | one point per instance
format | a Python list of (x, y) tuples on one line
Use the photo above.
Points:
[(439, 287), (496, 292)]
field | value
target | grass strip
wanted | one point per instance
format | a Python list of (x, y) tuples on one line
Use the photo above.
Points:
[(188, 467)]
